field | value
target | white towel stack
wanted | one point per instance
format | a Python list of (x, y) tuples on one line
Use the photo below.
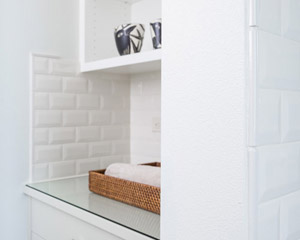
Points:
[(136, 173)]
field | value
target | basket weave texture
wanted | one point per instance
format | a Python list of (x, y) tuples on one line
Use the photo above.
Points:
[(136, 194)]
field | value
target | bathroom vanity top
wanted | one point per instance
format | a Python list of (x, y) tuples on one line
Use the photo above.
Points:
[(74, 191)]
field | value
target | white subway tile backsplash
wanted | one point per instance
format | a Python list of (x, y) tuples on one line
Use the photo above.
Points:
[(88, 101), (121, 147), (41, 65), (63, 67), (40, 172), (100, 86), (86, 134), (99, 117), (112, 103), (62, 135), (86, 165), (41, 136), (112, 133), (121, 87), (278, 170), (45, 154), (268, 117), (41, 101), (62, 101), (151, 149), (46, 83), (45, 118), (291, 116), (75, 85), (100, 149), (268, 221), (106, 161), (75, 151), (75, 118), (278, 62), (120, 117), (62, 169)]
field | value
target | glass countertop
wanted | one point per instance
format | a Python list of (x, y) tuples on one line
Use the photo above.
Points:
[(75, 191)]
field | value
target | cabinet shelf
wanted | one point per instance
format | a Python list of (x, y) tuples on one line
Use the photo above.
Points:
[(134, 63)]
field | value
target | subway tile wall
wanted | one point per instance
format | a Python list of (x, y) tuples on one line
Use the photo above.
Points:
[(145, 111), (275, 170), (79, 122)]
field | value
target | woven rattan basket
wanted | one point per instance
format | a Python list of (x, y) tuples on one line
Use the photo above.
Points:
[(136, 194)]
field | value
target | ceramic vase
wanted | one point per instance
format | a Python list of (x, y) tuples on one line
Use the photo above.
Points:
[(155, 28), (129, 38)]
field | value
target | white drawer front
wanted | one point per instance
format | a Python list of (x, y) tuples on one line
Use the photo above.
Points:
[(52, 224)]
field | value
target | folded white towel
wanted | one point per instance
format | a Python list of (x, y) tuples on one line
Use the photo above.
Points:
[(136, 173)]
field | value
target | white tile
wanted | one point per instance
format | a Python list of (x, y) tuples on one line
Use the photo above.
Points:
[(44, 83), (62, 101), (121, 147), (291, 19), (88, 101), (269, 15), (40, 172), (75, 118), (62, 135), (268, 117), (40, 65), (290, 217), (62, 169), (99, 117), (143, 103), (268, 221), (86, 134), (152, 84), (150, 149), (75, 85), (121, 87), (112, 133), (109, 103), (103, 86), (100, 149), (63, 67), (41, 136), (45, 154), (41, 101), (278, 170), (291, 116), (140, 159), (45, 118), (86, 165), (136, 86), (75, 151), (106, 161), (278, 62), (120, 117)]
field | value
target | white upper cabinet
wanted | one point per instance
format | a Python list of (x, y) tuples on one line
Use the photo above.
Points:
[(98, 20)]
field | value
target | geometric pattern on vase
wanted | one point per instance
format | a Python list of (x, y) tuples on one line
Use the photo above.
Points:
[(156, 28), (129, 38)]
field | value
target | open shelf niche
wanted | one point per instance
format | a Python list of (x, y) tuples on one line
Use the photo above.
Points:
[(99, 18)]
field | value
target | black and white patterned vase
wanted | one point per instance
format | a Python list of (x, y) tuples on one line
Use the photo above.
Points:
[(129, 38), (155, 28)]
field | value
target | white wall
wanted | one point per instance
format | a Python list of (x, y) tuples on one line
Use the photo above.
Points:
[(274, 145), (47, 25), (204, 120)]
